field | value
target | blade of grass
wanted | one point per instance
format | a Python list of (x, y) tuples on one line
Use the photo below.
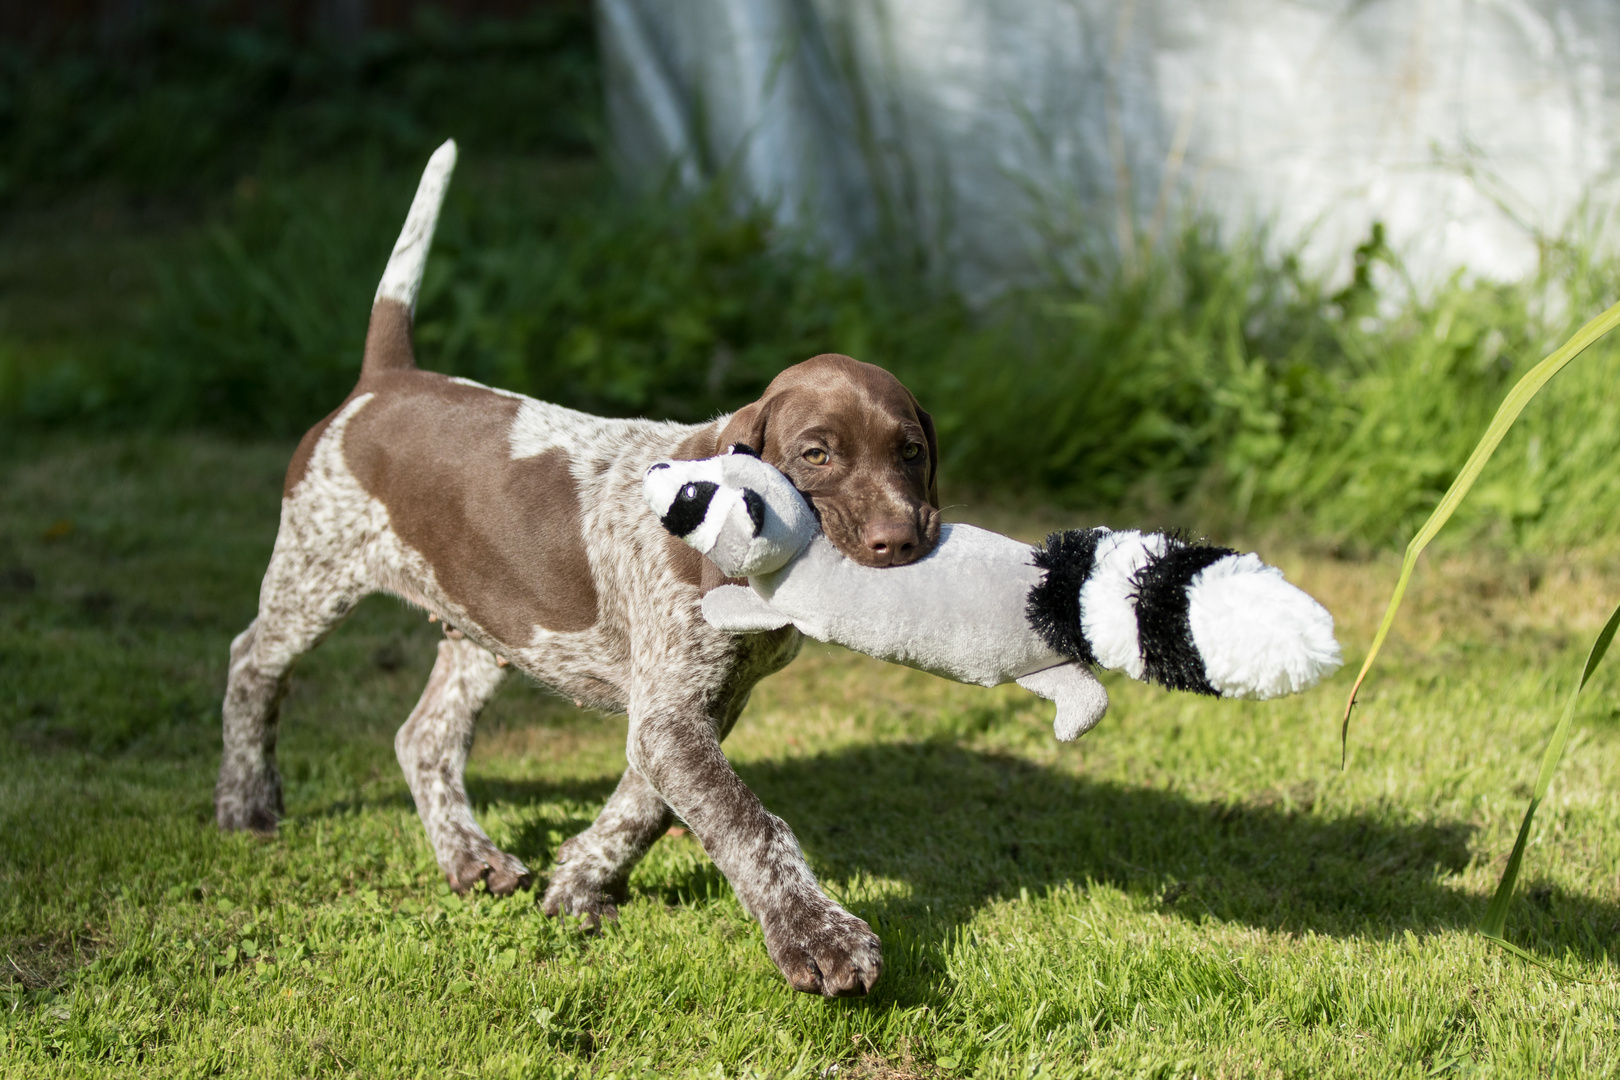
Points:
[(1551, 969), (1506, 414), (1494, 924)]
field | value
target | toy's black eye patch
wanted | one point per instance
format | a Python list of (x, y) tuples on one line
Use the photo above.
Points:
[(690, 507), (660, 465), (744, 448), (756, 509)]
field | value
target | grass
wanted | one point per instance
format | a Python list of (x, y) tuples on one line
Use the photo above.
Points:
[(1494, 922), (1194, 888)]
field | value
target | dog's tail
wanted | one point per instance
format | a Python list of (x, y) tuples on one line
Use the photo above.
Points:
[(388, 342)]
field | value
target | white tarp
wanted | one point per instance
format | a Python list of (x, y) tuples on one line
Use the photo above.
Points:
[(994, 135)]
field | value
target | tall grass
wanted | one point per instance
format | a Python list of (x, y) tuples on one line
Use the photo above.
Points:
[(1408, 407), (609, 304), (1518, 398), (1217, 374), (1199, 369)]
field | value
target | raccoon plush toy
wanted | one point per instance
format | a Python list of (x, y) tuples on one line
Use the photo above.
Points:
[(985, 608)]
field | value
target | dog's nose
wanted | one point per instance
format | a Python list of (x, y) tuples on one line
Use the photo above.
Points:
[(892, 543)]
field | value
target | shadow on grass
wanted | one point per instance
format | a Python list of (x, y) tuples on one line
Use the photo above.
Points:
[(535, 841), (963, 827)]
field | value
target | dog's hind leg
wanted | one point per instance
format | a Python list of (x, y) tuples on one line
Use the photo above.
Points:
[(593, 868), (432, 748), (248, 795), (300, 602)]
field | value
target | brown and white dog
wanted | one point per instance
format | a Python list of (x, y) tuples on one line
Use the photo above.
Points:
[(521, 524)]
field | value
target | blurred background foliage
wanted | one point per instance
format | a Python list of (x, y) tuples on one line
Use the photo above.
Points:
[(191, 231), (192, 102)]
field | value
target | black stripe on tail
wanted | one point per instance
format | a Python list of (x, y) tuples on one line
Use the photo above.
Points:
[(1169, 656), (1053, 604)]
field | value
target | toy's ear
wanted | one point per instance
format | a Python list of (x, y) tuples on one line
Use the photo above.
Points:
[(746, 426), (927, 423)]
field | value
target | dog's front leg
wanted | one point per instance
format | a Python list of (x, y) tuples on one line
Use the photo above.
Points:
[(819, 947)]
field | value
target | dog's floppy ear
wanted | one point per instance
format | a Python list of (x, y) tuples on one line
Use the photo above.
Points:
[(746, 426), (927, 423)]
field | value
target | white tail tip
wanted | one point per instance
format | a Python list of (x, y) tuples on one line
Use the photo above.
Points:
[(1260, 637), (402, 279)]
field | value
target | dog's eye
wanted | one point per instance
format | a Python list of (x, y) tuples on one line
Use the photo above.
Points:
[(911, 451), (816, 456)]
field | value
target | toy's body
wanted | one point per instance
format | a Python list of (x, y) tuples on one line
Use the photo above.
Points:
[(959, 613), (985, 608)]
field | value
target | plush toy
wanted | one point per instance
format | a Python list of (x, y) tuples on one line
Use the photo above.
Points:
[(985, 608)]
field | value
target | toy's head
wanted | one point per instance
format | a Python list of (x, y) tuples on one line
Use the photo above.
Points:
[(743, 514)]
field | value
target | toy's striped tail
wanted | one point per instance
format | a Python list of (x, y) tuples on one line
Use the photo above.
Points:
[(1188, 616), (388, 342)]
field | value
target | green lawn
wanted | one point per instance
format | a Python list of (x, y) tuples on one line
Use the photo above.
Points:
[(1193, 888)]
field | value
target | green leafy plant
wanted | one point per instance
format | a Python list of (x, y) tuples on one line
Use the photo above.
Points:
[(1494, 924)]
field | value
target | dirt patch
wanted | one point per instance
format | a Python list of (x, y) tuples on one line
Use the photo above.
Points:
[(42, 963), (873, 1066)]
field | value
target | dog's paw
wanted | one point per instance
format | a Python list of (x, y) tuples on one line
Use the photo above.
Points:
[(582, 884), (248, 806), (501, 873), (823, 949), (567, 895)]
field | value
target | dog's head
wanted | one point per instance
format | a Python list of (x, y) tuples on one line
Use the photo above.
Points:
[(860, 448)]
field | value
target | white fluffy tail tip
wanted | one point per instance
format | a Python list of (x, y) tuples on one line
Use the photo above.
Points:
[(402, 279), (1260, 637)]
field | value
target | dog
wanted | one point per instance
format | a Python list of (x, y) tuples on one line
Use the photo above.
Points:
[(521, 525)]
